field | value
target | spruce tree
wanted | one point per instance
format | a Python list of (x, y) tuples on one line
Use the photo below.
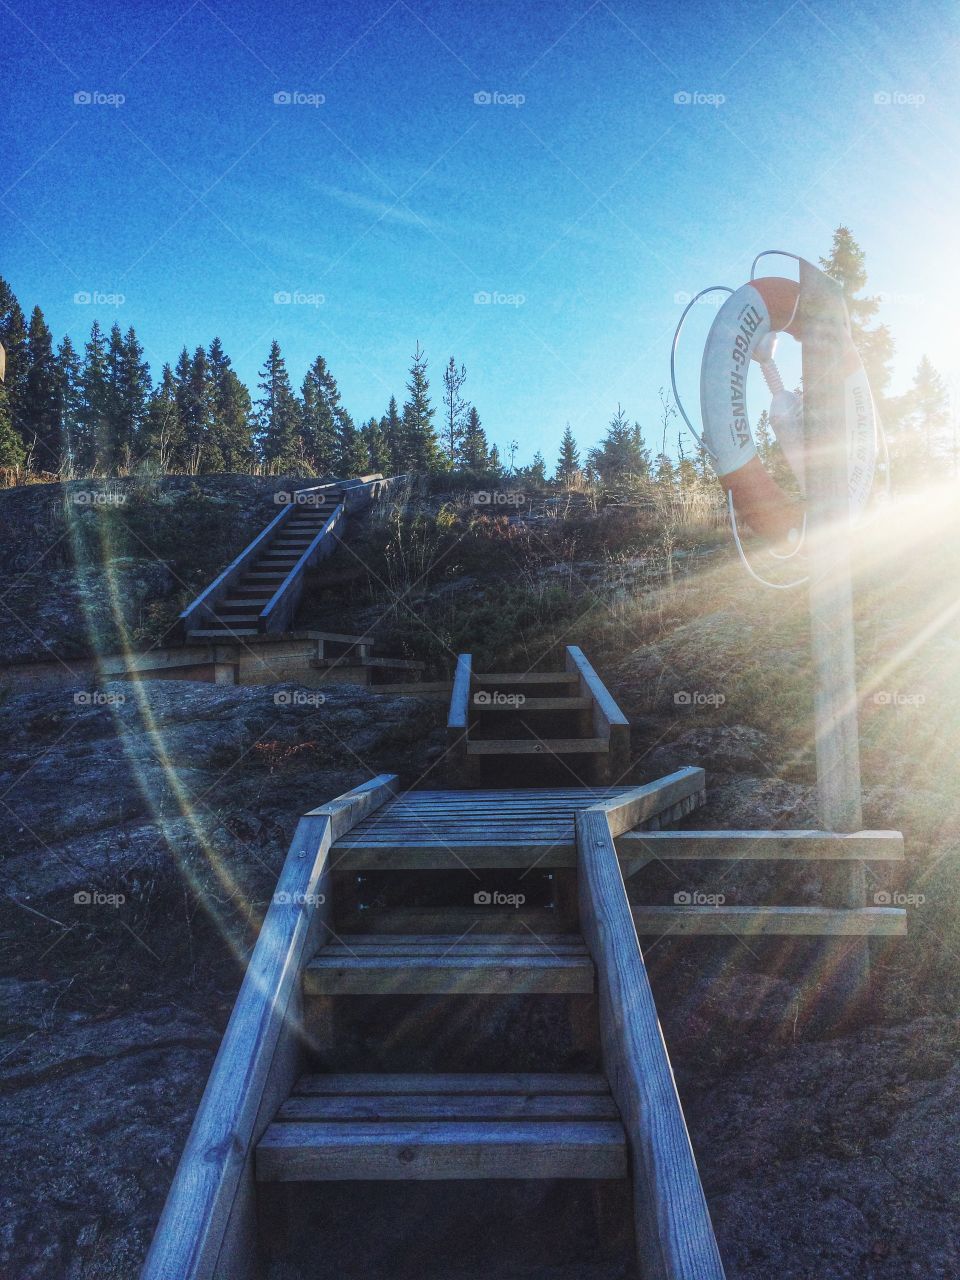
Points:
[(39, 418), (278, 436), (69, 399), (352, 459), (163, 430), (378, 453), (320, 411), (95, 408), (568, 464), (391, 424), (232, 411), (622, 454), (474, 451), (537, 471), (421, 452), (12, 451), (13, 336), (846, 264)]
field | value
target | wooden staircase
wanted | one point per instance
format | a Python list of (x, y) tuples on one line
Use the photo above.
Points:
[(238, 613), (498, 1060), (567, 720)]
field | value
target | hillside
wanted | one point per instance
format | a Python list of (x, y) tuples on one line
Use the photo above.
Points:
[(181, 798)]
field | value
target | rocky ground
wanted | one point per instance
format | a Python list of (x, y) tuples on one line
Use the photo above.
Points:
[(823, 1155)]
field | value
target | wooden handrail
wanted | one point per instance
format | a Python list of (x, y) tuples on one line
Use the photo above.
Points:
[(208, 1220), (460, 697), (280, 600), (675, 1238), (608, 720)]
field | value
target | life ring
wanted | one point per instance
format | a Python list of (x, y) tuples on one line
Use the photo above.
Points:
[(745, 329)]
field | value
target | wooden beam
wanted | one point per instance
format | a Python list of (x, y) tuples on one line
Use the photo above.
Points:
[(209, 1216), (771, 921), (675, 1237), (639, 804), (537, 746), (782, 846)]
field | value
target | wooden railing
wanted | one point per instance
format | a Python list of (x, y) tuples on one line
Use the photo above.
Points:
[(279, 611), (674, 1234), (608, 720), (208, 1227)]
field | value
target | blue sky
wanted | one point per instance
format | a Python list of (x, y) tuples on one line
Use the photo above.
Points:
[(583, 200)]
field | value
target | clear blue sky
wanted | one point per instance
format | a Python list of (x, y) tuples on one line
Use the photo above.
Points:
[(597, 200)]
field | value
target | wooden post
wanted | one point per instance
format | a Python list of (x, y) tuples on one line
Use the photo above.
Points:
[(823, 321)]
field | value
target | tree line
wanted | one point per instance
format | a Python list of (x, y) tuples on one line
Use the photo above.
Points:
[(65, 413)]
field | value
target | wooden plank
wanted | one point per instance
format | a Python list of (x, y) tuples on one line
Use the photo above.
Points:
[(642, 803), (432, 1150), (771, 921), (448, 856), (454, 921), (574, 703), (369, 975), (526, 677), (535, 746), (781, 846), (209, 1213), (674, 1234), (452, 1083), (451, 1107), (426, 944), (460, 697)]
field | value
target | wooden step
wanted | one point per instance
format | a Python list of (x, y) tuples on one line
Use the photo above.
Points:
[(363, 965), (232, 604), (770, 921), (221, 634), (526, 677), (639, 847), (539, 747), (529, 704), (234, 618), (395, 1127)]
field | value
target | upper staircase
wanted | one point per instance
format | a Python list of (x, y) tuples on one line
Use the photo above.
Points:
[(260, 590)]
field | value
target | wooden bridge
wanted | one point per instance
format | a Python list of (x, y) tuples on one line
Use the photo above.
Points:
[(260, 590)]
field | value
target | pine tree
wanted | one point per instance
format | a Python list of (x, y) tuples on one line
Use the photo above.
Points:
[(69, 400), (923, 418), (232, 411), (13, 336), (474, 451), (622, 454), (163, 429), (874, 342), (133, 394), (454, 410), (421, 452), (12, 451), (537, 471), (352, 459), (568, 464), (320, 413), (278, 436), (376, 442), (95, 408), (39, 419), (494, 465), (391, 424)]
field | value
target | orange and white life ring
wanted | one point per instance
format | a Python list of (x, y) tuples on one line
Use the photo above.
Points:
[(745, 329)]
